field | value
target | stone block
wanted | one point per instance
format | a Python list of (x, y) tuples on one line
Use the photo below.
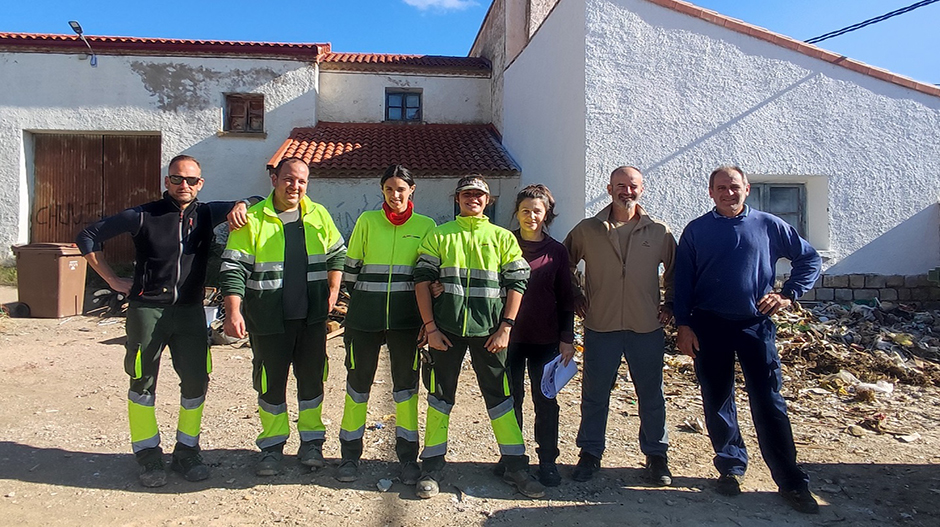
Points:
[(824, 294), (865, 294), (920, 293), (904, 294), (856, 281), (894, 280), (836, 281), (888, 294), (843, 295), (917, 280), (809, 296), (875, 281), (934, 293)]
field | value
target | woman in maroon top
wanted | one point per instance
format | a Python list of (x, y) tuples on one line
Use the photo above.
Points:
[(545, 323)]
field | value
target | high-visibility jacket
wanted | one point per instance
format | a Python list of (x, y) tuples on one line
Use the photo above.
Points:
[(475, 261), (253, 264), (379, 272)]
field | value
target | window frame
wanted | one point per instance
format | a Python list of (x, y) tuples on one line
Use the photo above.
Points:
[(404, 93), (229, 113), (764, 191)]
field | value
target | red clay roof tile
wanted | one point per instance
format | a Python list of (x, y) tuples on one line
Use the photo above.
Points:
[(477, 66), (786, 42), (158, 46), (429, 150)]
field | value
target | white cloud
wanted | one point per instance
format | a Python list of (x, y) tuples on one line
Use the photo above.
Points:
[(443, 5)]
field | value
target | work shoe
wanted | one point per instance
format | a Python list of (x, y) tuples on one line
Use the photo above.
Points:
[(499, 469), (548, 474), (191, 467), (429, 484), (348, 471), (410, 473), (311, 454), (153, 473), (524, 483), (587, 466), (729, 484), (801, 500), (270, 463), (657, 471)]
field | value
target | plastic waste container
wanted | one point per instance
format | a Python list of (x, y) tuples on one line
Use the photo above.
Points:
[(50, 279)]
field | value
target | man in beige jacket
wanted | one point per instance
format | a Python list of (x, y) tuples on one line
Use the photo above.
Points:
[(622, 249)]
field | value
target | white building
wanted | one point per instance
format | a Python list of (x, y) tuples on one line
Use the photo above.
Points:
[(849, 152), (78, 142), (559, 91)]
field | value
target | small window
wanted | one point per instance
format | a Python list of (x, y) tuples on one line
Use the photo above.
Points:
[(787, 202), (402, 106), (244, 112)]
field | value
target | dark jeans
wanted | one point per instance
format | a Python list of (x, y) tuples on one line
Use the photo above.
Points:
[(602, 354), (752, 341), (535, 356)]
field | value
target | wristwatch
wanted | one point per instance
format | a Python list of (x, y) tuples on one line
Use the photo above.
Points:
[(509, 321)]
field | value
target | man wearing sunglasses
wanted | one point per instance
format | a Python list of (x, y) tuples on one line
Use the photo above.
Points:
[(172, 237)]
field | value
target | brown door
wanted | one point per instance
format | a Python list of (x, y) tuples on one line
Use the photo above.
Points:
[(81, 178)]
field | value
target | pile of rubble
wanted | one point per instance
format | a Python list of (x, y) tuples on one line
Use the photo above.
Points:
[(889, 342), (859, 344)]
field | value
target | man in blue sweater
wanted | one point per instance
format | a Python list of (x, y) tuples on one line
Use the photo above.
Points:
[(725, 271)]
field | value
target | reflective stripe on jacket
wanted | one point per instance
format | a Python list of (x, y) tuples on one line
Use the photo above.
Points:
[(253, 264), (476, 262), (379, 272)]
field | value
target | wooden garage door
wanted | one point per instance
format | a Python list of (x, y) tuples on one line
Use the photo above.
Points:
[(81, 178)]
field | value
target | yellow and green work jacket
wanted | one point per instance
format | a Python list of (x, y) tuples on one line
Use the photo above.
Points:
[(475, 261), (253, 264), (379, 272)]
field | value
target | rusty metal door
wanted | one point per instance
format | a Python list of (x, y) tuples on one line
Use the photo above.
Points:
[(81, 178)]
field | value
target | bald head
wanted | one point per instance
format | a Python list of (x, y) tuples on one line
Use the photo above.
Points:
[(626, 187), (626, 170)]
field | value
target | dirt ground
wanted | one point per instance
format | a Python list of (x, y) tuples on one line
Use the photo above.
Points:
[(65, 455)]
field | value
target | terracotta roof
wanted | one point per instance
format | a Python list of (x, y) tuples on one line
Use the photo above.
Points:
[(30, 42), (404, 63), (796, 45), (366, 149)]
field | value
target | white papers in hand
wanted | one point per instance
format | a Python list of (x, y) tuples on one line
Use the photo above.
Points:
[(555, 375)]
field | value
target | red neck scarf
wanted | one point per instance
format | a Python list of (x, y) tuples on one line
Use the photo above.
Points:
[(398, 218)]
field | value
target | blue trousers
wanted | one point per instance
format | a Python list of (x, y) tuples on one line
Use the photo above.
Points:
[(752, 341), (602, 354)]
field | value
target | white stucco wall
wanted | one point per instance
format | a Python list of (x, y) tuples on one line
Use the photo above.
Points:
[(544, 113), (678, 96), (179, 98), (357, 97)]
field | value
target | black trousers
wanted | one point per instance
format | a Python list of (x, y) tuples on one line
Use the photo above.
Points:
[(533, 357)]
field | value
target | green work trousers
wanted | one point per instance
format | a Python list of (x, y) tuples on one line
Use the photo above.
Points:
[(440, 379), (304, 347), (150, 329), (362, 357)]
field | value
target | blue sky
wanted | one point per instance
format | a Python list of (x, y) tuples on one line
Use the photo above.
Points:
[(447, 27)]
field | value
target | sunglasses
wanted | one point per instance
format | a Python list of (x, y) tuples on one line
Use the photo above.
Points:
[(191, 181)]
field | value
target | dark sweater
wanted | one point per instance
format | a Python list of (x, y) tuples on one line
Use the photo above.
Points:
[(725, 265), (547, 312), (171, 245)]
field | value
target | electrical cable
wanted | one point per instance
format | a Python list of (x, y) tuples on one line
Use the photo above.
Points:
[(869, 22)]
